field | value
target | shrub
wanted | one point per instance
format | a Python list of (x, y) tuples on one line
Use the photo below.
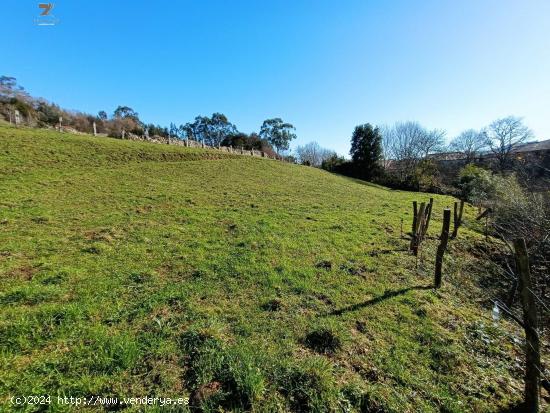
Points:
[(476, 184), (333, 163)]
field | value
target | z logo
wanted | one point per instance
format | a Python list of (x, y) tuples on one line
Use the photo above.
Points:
[(47, 7)]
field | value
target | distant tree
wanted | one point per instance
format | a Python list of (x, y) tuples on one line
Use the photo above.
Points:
[(174, 131), (504, 135), (156, 130), (334, 163), (9, 89), (212, 131), (402, 142), (220, 127), (278, 133), (102, 115), (48, 113), (125, 120), (470, 143), (410, 141), (366, 150), (125, 112), (313, 154), (432, 141)]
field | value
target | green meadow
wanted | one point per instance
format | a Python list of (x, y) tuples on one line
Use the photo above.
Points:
[(131, 269)]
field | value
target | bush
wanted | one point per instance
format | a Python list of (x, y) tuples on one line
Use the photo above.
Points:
[(515, 213), (333, 163), (476, 184)]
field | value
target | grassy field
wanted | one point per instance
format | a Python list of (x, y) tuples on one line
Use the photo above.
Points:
[(134, 269)]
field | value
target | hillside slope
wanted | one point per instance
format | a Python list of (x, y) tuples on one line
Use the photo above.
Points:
[(133, 269)]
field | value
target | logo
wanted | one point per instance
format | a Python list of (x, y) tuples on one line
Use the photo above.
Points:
[(46, 18), (47, 7)]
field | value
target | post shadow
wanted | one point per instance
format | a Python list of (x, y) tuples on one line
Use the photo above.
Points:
[(388, 294)]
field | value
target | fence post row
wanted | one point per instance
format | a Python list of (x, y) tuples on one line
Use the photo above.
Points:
[(532, 344), (444, 239)]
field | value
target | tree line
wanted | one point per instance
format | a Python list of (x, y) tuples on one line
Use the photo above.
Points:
[(401, 155), (405, 154), (274, 134)]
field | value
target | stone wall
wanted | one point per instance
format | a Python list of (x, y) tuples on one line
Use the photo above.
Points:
[(189, 143)]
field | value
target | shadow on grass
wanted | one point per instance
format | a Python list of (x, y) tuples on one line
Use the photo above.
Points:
[(362, 182), (515, 408), (379, 299)]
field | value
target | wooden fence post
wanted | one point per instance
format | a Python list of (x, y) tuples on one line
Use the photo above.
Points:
[(429, 214), (457, 217), (532, 345), (417, 231), (415, 214), (442, 246)]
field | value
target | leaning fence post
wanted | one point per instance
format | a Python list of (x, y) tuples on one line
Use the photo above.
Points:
[(457, 217), (442, 246), (532, 345)]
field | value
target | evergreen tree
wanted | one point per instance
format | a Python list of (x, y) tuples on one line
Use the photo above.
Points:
[(366, 151)]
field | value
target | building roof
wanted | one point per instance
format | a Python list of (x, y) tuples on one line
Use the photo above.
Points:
[(533, 146)]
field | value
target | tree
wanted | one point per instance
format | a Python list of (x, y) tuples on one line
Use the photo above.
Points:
[(313, 154), (219, 128), (402, 142), (102, 115), (334, 163), (504, 135), (431, 141), (212, 131), (174, 131), (9, 89), (278, 133), (125, 119), (125, 112), (410, 141), (470, 143), (366, 150)]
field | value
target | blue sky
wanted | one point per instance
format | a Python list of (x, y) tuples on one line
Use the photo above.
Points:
[(324, 66)]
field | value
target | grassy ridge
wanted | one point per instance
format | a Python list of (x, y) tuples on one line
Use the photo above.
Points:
[(132, 269)]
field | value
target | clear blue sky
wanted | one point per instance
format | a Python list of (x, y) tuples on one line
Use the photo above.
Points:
[(324, 66)]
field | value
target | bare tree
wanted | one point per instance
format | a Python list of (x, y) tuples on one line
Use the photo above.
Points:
[(313, 154), (403, 141), (470, 143), (432, 141), (504, 135), (406, 143)]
